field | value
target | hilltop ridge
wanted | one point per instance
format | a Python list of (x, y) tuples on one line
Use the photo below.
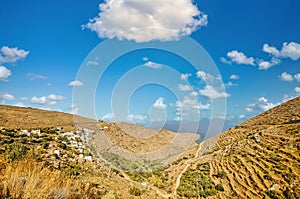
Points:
[(258, 158)]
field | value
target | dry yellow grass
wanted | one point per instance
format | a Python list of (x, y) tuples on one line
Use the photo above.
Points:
[(29, 179), (31, 118)]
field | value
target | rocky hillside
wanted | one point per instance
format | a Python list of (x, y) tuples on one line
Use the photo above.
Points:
[(259, 158), (59, 144)]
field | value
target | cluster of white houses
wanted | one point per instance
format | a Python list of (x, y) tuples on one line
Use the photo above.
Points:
[(76, 140)]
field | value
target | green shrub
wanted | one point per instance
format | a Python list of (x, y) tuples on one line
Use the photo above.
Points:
[(135, 191), (45, 145), (62, 145), (287, 193), (15, 151), (221, 174), (73, 169), (273, 194), (219, 187)]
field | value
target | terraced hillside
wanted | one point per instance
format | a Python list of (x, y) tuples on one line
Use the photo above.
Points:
[(258, 159), (48, 151)]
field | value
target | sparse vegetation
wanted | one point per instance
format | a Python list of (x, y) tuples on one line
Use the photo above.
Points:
[(135, 191), (247, 162)]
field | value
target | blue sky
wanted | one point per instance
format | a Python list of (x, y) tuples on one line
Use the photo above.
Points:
[(255, 47)]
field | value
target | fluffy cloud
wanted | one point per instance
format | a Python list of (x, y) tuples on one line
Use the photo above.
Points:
[(194, 94), (262, 104), (12, 55), (19, 104), (75, 109), (189, 106), (75, 83), (213, 93), (50, 100), (286, 77), (136, 118), (297, 90), (159, 104), (271, 50), (225, 61), (207, 77), (242, 116), (109, 117), (33, 76), (240, 58), (230, 84), (265, 65), (154, 65), (297, 77), (144, 21), (289, 50), (185, 76), (4, 73), (6, 97), (234, 77), (182, 87)]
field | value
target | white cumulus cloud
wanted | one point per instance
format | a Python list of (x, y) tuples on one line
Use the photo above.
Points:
[(207, 77), (12, 55), (147, 20), (159, 104), (47, 100), (265, 65), (262, 104), (190, 106), (286, 77), (271, 50), (154, 65), (75, 109), (240, 58), (289, 50), (212, 93), (75, 83), (108, 117), (185, 76), (297, 77), (19, 104), (6, 97), (297, 90), (234, 77), (4, 73), (182, 87), (136, 118), (225, 61)]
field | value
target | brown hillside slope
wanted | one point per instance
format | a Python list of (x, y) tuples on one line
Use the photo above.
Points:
[(286, 113), (26, 118), (257, 159)]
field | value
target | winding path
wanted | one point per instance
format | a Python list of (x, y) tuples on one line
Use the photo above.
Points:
[(187, 165)]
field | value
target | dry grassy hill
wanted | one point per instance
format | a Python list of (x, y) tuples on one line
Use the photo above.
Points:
[(51, 152), (257, 159), (30, 118)]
